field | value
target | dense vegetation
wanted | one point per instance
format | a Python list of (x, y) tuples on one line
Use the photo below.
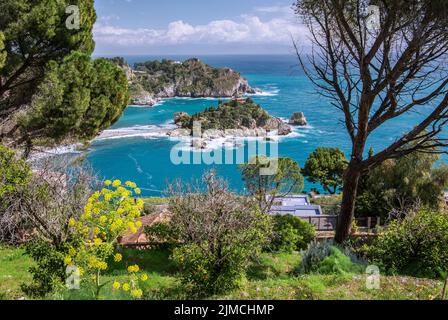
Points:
[(326, 166), (270, 277), (230, 115), (191, 78), (77, 98), (215, 234), (50, 89), (291, 234), (15, 175), (214, 243), (401, 184), (35, 34), (415, 245)]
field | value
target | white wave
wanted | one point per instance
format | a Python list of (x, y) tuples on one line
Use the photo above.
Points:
[(186, 141), (50, 152), (230, 142), (295, 134), (198, 98), (271, 93), (149, 131), (157, 104)]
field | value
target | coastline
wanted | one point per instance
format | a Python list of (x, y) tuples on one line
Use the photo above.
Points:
[(162, 131), (159, 101)]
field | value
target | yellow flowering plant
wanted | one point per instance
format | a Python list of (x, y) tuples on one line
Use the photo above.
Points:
[(109, 214)]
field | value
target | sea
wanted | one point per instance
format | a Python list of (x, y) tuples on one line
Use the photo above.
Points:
[(137, 150)]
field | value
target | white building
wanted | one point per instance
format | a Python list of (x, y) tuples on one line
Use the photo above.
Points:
[(296, 205)]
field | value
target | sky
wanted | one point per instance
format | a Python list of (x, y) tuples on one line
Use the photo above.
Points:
[(174, 27)]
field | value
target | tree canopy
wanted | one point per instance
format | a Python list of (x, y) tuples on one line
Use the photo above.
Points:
[(36, 33), (77, 98), (50, 88), (13, 172), (400, 184), (2, 51), (326, 166), (285, 180)]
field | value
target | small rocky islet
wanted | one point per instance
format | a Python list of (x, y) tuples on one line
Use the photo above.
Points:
[(239, 118)]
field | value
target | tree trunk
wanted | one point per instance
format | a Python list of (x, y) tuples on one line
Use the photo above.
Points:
[(351, 181)]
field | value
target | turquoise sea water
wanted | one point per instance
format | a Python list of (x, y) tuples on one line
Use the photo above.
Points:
[(145, 159)]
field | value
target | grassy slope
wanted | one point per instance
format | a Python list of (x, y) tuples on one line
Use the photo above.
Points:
[(155, 200), (269, 278), (13, 271)]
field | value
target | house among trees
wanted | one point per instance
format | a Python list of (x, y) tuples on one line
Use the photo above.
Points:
[(296, 205)]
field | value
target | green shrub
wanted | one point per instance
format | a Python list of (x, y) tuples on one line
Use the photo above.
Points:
[(401, 183), (49, 270), (208, 273), (327, 258), (15, 175), (338, 263), (285, 239), (217, 234), (13, 171), (291, 233), (416, 245)]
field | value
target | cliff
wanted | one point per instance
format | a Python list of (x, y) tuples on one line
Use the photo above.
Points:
[(152, 80)]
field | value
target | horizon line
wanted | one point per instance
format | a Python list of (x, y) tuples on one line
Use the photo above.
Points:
[(193, 54)]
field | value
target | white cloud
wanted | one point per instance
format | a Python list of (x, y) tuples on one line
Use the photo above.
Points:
[(247, 29), (252, 29)]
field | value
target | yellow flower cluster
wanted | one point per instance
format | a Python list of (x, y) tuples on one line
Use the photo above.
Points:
[(108, 214), (144, 277), (67, 260), (137, 293), (133, 269), (132, 285), (96, 263)]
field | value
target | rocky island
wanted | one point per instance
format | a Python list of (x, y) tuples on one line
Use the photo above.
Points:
[(298, 119), (238, 118), (153, 80)]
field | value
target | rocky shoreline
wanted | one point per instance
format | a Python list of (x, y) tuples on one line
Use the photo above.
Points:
[(151, 81), (268, 129)]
